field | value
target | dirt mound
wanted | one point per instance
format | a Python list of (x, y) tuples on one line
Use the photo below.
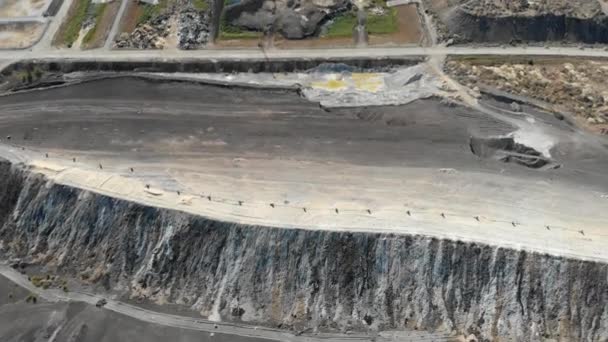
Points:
[(292, 19), (507, 150), (514, 21), (577, 88)]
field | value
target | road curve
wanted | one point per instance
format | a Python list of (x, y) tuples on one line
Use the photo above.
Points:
[(183, 322)]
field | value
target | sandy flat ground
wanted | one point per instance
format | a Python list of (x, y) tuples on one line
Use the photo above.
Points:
[(22, 8), (272, 158), (20, 35)]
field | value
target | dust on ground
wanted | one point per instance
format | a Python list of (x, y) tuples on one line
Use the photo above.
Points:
[(20, 36), (316, 42), (576, 87), (22, 8), (10, 292), (129, 21)]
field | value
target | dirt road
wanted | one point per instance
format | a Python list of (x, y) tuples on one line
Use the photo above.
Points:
[(352, 169)]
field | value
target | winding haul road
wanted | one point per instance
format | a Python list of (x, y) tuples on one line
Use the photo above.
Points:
[(184, 322)]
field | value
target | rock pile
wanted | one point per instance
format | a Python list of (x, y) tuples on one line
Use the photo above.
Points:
[(577, 88), (193, 29), (148, 35), (294, 19), (577, 8)]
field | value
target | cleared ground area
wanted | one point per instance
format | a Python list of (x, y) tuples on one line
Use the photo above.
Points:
[(273, 158), (26, 319), (22, 8), (409, 28), (20, 35)]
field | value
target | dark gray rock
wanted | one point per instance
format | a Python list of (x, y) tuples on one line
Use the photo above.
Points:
[(146, 35), (294, 19), (193, 29)]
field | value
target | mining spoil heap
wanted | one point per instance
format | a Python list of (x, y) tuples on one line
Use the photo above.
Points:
[(258, 206), (497, 21)]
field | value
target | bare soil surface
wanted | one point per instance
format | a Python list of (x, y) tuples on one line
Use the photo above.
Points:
[(318, 42), (22, 8), (104, 26), (409, 32), (202, 149), (65, 321), (19, 36), (129, 21), (10, 292), (576, 88)]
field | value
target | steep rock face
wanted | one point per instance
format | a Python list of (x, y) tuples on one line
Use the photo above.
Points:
[(543, 27), (300, 278)]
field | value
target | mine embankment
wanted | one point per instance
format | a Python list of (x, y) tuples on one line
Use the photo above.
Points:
[(299, 279), (491, 21), (574, 88)]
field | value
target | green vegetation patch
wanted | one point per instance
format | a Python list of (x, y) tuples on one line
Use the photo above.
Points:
[(228, 32), (383, 24), (239, 34), (376, 24), (200, 5), (152, 11), (31, 298), (74, 22), (99, 11)]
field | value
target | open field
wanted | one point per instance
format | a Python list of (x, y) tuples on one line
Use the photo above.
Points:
[(87, 24), (409, 28), (104, 18), (20, 35), (376, 24), (130, 19), (71, 27), (22, 8)]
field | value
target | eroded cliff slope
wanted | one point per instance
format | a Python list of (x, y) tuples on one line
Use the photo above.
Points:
[(300, 278)]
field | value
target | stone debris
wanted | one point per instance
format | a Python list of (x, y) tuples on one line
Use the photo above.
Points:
[(577, 88), (193, 29), (498, 8), (148, 35), (294, 19)]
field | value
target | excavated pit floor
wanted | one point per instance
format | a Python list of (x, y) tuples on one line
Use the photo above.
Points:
[(272, 158)]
